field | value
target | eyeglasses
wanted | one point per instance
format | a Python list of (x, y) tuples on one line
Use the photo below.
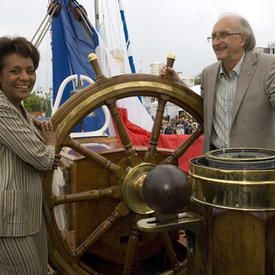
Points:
[(221, 35)]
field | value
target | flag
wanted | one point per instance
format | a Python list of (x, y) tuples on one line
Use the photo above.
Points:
[(72, 42)]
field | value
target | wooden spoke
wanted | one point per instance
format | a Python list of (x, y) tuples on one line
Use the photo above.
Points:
[(131, 250), (150, 154), (103, 162), (169, 272), (183, 147), (121, 210), (110, 192), (122, 132), (172, 272), (169, 248), (87, 268), (176, 266)]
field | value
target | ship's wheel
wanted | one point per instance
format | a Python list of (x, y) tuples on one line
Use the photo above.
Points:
[(113, 207)]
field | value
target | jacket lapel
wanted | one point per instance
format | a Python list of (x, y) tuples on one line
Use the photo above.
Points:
[(247, 71), (32, 126), (213, 74), (28, 121)]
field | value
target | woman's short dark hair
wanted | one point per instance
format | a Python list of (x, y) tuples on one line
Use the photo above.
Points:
[(19, 45)]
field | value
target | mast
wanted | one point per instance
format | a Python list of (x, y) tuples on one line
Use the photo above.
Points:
[(96, 14)]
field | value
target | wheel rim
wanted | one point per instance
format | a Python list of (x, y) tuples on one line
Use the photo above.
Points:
[(106, 92)]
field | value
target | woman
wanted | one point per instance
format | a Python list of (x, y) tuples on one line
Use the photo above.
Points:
[(25, 152)]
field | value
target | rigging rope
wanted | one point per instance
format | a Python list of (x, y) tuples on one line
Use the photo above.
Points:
[(115, 32), (53, 10)]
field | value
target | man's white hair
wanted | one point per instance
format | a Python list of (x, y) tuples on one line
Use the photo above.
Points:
[(244, 28)]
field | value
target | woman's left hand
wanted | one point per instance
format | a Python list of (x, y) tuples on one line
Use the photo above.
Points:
[(49, 135)]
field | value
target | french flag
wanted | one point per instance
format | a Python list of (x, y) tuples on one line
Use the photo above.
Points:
[(72, 41)]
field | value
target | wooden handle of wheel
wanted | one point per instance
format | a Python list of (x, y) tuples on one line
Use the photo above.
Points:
[(170, 60), (94, 62), (169, 63)]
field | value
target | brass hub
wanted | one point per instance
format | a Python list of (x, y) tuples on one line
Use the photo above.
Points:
[(132, 188)]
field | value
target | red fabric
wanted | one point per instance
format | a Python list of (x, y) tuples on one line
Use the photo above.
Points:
[(140, 137)]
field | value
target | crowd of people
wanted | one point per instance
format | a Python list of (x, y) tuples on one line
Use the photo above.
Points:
[(181, 124)]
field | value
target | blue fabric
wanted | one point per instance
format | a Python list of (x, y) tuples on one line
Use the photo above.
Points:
[(127, 40), (71, 45)]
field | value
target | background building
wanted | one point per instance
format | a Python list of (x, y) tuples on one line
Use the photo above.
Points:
[(187, 79), (155, 67), (270, 49)]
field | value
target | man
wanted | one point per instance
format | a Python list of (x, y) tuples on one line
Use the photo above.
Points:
[(238, 90)]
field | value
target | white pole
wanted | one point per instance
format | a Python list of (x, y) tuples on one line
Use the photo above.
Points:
[(96, 15)]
